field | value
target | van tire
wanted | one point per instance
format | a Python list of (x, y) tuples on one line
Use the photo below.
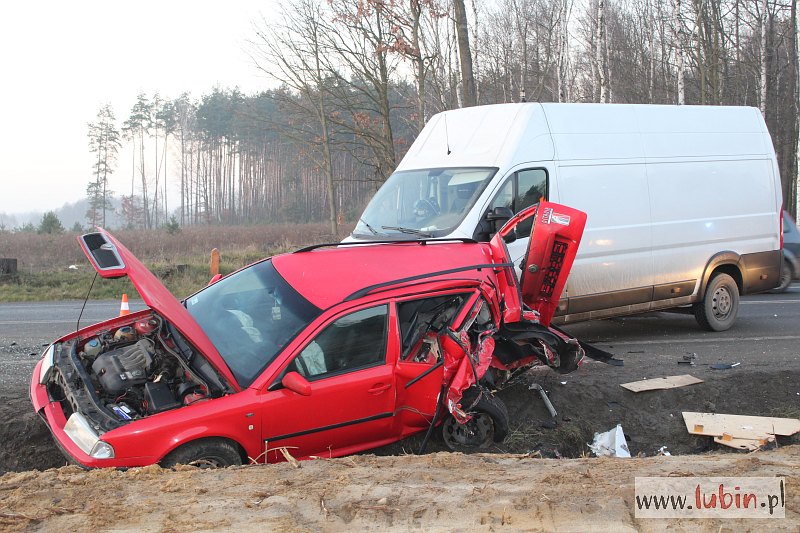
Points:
[(720, 305), (786, 278)]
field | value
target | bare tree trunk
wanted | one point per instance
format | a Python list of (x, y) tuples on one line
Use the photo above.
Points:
[(762, 87), (563, 49), (468, 93), (602, 53), (676, 6)]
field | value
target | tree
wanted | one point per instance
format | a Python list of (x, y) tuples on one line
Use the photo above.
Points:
[(294, 47), (136, 127), (50, 224), (104, 142), (468, 91)]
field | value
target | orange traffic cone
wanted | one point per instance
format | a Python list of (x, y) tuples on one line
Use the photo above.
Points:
[(123, 307)]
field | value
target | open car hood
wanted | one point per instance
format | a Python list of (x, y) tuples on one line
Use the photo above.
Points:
[(112, 260), (555, 237)]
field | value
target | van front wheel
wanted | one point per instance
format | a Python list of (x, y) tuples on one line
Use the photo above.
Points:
[(720, 305)]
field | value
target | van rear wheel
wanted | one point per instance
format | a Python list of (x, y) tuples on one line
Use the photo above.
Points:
[(720, 305)]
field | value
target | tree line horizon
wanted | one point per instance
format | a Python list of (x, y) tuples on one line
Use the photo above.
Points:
[(355, 82)]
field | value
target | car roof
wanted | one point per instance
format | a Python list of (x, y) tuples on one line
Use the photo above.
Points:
[(328, 276)]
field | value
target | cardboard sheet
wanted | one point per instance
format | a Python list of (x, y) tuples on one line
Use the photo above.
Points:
[(738, 426), (670, 382)]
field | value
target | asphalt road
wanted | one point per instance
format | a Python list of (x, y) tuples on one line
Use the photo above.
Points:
[(766, 336)]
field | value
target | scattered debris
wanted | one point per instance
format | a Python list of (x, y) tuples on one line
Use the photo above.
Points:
[(663, 451), (738, 431), (688, 359), (724, 366), (611, 443), (549, 424), (13, 344), (670, 382), (545, 399)]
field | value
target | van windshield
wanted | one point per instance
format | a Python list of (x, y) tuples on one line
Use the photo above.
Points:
[(422, 203)]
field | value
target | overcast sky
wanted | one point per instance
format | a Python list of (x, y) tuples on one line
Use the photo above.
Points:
[(60, 61)]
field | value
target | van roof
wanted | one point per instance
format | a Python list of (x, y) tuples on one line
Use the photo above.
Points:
[(504, 134)]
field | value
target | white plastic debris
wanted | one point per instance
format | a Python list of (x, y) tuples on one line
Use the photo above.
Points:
[(663, 451), (612, 443)]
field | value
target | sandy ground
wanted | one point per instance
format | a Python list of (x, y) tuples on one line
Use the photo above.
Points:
[(434, 492)]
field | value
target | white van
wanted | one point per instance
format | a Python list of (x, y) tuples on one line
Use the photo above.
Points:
[(684, 202)]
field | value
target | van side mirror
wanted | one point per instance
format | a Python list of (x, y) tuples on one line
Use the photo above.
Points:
[(296, 383), (500, 213), (497, 217)]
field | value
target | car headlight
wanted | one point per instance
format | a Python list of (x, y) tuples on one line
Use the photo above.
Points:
[(47, 364), (78, 429), (102, 450)]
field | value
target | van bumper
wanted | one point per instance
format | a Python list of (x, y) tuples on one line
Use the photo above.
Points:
[(761, 271)]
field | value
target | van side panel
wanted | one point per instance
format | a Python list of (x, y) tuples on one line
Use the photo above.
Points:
[(700, 208), (614, 254)]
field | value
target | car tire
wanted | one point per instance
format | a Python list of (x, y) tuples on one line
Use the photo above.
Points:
[(489, 423), (720, 305), (205, 453), (786, 278)]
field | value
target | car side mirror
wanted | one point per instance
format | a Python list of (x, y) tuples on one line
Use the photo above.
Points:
[(296, 383), (215, 279)]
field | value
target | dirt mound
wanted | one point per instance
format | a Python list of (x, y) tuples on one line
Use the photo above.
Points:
[(589, 401), (435, 492)]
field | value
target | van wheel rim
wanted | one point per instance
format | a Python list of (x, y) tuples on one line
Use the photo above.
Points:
[(722, 303)]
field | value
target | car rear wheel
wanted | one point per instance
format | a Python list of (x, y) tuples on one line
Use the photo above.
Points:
[(206, 453), (786, 278), (489, 423), (720, 305)]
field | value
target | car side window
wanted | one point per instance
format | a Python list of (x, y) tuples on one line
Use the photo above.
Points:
[(352, 342)]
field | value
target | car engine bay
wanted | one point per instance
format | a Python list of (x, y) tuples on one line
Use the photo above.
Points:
[(128, 373)]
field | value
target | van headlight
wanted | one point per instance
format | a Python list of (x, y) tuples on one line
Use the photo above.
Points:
[(47, 364), (78, 429)]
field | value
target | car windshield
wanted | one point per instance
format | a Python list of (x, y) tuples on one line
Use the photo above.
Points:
[(250, 316), (423, 203)]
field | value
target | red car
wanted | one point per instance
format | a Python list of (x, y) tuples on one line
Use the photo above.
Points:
[(323, 352)]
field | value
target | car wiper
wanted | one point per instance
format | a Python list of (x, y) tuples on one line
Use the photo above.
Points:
[(410, 231), (373, 230)]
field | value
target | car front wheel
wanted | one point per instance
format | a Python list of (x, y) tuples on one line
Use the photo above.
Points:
[(206, 453), (720, 305), (489, 423)]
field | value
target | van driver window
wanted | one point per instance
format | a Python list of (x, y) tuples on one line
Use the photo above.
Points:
[(522, 190)]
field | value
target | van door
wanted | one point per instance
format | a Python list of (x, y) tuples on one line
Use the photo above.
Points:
[(522, 188)]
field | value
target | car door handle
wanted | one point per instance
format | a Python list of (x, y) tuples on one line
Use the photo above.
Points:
[(380, 387)]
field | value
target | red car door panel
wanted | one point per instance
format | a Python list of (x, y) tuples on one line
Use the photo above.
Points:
[(342, 411)]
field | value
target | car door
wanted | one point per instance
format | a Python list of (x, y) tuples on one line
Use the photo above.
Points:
[(419, 372), (349, 400), (556, 235)]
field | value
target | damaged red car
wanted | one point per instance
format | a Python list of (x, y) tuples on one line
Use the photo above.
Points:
[(323, 352)]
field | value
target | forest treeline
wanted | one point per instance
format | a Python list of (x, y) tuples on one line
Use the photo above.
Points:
[(356, 81)]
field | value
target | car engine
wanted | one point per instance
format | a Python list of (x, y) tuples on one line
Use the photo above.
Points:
[(127, 373)]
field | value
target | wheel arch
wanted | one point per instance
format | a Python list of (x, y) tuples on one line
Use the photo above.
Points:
[(727, 262), (200, 438)]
